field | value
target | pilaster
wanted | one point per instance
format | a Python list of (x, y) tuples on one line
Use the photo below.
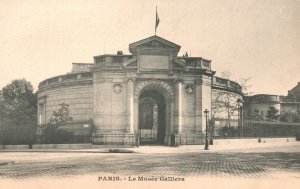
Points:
[(130, 105)]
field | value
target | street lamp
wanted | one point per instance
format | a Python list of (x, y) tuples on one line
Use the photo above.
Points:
[(206, 141), (240, 115)]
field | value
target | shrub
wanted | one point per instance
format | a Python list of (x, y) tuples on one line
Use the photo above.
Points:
[(55, 135)]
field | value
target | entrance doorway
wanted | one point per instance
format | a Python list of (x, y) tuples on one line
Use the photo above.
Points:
[(152, 119)]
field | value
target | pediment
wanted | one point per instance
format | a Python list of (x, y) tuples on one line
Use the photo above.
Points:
[(153, 42)]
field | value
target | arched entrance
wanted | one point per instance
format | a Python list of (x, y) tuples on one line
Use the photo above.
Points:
[(153, 111), (152, 117)]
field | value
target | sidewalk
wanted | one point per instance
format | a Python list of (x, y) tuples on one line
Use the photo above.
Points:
[(256, 147), (289, 146)]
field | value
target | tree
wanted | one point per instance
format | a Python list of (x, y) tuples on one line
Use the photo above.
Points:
[(61, 116), (272, 114), (53, 133), (19, 103), (258, 116), (244, 83), (3, 109), (18, 112), (226, 101)]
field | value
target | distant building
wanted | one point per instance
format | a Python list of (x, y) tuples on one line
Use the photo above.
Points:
[(285, 104)]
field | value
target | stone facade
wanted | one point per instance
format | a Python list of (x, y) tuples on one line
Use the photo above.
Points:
[(285, 104), (151, 93), (75, 89), (261, 102), (295, 93)]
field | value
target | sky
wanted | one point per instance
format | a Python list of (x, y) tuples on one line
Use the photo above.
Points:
[(259, 39)]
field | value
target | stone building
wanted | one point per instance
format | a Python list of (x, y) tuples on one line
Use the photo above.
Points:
[(284, 104), (261, 103), (150, 93), (291, 102)]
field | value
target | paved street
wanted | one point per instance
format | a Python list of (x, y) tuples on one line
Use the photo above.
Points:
[(267, 163)]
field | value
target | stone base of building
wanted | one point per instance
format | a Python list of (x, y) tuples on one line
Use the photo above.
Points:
[(63, 146)]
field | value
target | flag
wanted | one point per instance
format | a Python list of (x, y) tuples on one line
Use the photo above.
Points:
[(156, 21)]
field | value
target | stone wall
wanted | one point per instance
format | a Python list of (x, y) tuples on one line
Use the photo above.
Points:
[(79, 98), (262, 102), (110, 108), (295, 92), (290, 107)]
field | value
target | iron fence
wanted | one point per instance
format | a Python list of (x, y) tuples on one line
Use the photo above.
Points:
[(115, 137), (190, 137), (222, 128), (17, 134), (70, 132), (84, 132)]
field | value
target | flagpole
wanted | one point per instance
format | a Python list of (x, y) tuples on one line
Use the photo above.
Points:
[(155, 19)]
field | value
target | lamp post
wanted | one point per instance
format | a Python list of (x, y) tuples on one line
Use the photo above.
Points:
[(206, 141), (240, 115)]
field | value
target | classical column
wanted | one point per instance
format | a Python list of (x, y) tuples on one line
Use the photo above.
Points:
[(180, 109), (178, 105), (198, 102), (42, 119), (171, 109), (135, 113), (203, 101), (130, 106)]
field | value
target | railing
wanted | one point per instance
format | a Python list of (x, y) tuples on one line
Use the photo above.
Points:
[(196, 62), (289, 99), (115, 139), (81, 67), (73, 132), (11, 134), (252, 129), (189, 137), (111, 59), (67, 78), (226, 84)]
